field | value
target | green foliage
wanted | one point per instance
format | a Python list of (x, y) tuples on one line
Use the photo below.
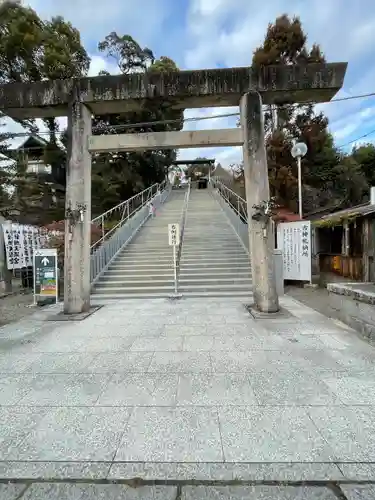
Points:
[(118, 176), (365, 157), (163, 65), (285, 43), (32, 49), (327, 175), (127, 53), (4, 169)]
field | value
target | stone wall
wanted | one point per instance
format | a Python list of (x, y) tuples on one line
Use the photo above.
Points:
[(355, 305)]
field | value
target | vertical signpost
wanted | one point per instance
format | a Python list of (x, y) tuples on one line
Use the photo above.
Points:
[(45, 274), (174, 241)]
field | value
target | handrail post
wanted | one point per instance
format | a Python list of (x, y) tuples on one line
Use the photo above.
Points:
[(175, 269), (183, 217)]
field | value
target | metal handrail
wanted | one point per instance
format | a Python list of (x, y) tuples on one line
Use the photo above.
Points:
[(235, 209), (235, 201), (124, 231), (183, 219), (127, 209)]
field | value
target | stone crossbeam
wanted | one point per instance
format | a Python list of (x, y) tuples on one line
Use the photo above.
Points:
[(183, 89), (166, 140), (202, 161)]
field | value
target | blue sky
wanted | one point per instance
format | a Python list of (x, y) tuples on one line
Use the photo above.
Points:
[(218, 33)]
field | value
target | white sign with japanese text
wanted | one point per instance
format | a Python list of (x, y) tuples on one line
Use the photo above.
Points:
[(294, 239), (173, 235)]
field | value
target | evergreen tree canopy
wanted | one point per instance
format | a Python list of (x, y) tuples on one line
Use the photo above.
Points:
[(327, 175)]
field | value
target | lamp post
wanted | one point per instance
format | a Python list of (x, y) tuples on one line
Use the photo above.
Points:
[(299, 150)]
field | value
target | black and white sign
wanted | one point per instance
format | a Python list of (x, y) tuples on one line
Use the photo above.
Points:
[(294, 239), (173, 235), (21, 241)]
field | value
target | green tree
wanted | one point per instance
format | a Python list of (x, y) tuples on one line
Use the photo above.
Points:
[(285, 43), (350, 184), (4, 164), (118, 176), (163, 65), (127, 53), (365, 157), (32, 49)]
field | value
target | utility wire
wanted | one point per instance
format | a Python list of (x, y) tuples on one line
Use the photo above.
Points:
[(194, 119), (103, 126), (226, 115), (357, 139), (3, 157)]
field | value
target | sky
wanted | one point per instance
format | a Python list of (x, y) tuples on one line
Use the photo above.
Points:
[(224, 33)]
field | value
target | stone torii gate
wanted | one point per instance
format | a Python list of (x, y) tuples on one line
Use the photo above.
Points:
[(197, 162), (79, 99)]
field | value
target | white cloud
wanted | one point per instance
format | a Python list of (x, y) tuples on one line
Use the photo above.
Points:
[(226, 33), (225, 156), (99, 63), (95, 19)]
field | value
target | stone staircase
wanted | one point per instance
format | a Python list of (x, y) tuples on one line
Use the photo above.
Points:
[(144, 268), (213, 261)]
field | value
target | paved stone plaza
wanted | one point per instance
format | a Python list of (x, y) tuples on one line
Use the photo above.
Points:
[(190, 399)]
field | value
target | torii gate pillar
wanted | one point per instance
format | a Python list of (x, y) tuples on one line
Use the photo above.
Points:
[(261, 238), (78, 212)]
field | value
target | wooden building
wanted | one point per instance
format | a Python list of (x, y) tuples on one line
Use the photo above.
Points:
[(344, 242), (35, 191)]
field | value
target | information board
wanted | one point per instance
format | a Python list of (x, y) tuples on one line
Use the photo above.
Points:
[(294, 239), (46, 273)]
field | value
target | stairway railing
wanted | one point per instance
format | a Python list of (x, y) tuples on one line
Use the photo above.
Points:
[(124, 221), (234, 206), (183, 219), (109, 221), (235, 209)]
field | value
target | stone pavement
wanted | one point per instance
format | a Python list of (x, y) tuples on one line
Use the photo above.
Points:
[(190, 399)]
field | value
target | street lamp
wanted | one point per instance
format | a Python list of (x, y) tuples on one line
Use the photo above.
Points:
[(299, 150)]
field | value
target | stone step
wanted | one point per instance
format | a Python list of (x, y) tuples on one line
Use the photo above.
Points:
[(131, 271), (103, 290), (214, 271), (140, 266), (215, 259), (162, 257), (207, 287), (238, 252), (245, 264), (130, 278), (214, 281), (141, 282), (163, 295)]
